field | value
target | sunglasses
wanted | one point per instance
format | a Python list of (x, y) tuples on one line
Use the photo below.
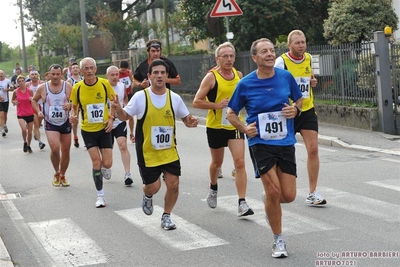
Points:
[(155, 45)]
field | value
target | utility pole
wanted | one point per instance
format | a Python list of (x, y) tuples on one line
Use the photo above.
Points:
[(84, 29), (23, 35), (385, 98), (166, 27)]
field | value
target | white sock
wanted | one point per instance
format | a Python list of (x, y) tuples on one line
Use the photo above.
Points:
[(100, 193)]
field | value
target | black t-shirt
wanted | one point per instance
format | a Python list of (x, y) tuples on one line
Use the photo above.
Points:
[(14, 79), (143, 68)]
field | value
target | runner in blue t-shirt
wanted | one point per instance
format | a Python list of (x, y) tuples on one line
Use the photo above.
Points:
[(265, 94)]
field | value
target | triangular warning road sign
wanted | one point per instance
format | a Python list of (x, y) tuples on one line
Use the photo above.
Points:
[(225, 8)]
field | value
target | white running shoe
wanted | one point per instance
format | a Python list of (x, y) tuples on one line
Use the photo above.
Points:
[(147, 205), (101, 202), (106, 173), (220, 173), (279, 249), (315, 199), (212, 198), (166, 222), (244, 209)]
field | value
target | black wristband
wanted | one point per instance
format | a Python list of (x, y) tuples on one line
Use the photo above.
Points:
[(298, 111)]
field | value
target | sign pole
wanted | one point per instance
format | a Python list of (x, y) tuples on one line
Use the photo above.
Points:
[(226, 8)]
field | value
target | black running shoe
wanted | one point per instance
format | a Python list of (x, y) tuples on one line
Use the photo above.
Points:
[(76, 143), (128, 180)]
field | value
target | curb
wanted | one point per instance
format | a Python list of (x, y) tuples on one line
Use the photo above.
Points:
[(5, 259), (335, 142)]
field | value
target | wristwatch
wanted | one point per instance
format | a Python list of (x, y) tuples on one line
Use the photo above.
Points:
[(298, 111)]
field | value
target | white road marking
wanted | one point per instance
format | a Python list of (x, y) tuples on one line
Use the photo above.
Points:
[(326, 149), (9, 205), (319, 147), (391, 160), (186, 236), (12, 210), (292, 223), (389, 184), (359, 204), (67, 244)]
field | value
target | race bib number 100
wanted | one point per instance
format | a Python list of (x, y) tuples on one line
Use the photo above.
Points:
[(161, 137), (272, 125)]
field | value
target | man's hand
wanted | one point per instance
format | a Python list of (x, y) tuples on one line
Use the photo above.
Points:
[(73, 119), (289, 112), (144, 83), (190, 121), (67, 106), (115, 102), (109, 124), (251, 129), (223, 104), (313, 81)]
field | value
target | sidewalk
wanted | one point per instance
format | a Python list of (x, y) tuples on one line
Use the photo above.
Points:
[(338, 136), (352, 138)]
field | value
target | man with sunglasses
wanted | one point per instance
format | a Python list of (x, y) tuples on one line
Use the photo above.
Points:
[(154, 50)]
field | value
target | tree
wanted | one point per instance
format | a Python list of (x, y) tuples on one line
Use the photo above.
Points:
[(118, 29), (311, 16), (47, 12), (353, 21), (261, 19), (194, 12), (179, 25), (273, 17)]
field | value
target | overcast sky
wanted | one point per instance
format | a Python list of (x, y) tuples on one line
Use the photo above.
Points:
[(10, 31)]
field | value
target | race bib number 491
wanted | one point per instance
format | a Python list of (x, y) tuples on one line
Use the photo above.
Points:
[(272, 125)]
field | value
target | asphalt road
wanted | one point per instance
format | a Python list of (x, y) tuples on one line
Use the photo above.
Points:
[(46, 226)]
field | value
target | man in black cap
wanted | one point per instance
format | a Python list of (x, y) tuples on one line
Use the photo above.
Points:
[(154, 50)]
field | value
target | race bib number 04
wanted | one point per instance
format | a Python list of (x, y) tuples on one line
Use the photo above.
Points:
[(304, 85)]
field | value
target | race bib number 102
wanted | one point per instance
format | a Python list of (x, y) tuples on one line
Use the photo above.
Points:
[(95, 113)]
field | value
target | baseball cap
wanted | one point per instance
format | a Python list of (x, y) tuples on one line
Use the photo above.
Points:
[(72, 59)]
